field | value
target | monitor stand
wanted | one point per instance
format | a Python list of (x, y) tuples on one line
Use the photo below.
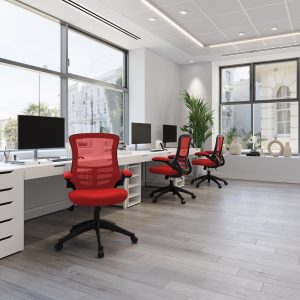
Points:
[(35, 156)]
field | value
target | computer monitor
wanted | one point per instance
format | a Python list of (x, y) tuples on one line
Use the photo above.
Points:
[(36, 132), (140, 133), (169, 134)]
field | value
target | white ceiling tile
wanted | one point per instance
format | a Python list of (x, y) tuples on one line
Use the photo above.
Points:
[(233, 34), (267, 13), (162, 3), (142, 19), (257, 3), (167, 32), (266, 28), (294, 8), (217, 7), (197, 27), (233, 20), (188, 5), (211, 38), (183, 43), (296, 24), (223, 50), (127, 7)]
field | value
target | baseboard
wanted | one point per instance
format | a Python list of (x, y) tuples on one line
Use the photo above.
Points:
[(47, 209)]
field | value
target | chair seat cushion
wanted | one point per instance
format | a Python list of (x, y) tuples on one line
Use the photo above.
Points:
[(98, 197), (204, 162), (163, 170)]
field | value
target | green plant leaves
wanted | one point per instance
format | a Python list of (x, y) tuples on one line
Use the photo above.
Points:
[(199, 121)]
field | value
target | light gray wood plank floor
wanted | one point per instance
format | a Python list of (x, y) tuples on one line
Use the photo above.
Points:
[(238, 242)]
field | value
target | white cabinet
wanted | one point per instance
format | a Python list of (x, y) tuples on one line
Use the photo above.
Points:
[(11, 212)]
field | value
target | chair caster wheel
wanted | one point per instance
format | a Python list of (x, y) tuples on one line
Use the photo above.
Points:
[(59, 245), (219, 186), (192, 181), (100, 254), (226, 183), (193, 196), (151, 195), (182, 202), (154, 200), (134, 239), (197, 185)]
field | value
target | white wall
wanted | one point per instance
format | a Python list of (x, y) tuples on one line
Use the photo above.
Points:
[(154, 91), (197, 79)]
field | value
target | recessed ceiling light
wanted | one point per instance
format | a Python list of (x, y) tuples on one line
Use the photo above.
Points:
[(241, 33), (171, 22), (191, 61), (274, 28), (270, 37), (152, 19), (183, 12)]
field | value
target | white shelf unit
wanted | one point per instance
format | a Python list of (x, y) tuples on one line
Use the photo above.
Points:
[(133, 185)]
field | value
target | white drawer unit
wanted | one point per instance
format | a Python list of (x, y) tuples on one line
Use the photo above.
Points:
[(11, 212)]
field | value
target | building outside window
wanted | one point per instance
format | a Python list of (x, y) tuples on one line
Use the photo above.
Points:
[(271, 109)]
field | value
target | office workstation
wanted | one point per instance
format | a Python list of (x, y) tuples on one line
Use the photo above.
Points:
[(149, 149)]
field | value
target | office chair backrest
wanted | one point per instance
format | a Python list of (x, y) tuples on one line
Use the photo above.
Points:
[(182, 154), (94, 160), (218, 150)]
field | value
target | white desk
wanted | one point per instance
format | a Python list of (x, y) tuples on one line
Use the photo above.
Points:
[(12, 181)]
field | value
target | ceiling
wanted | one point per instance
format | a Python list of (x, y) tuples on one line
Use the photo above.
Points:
[(210, 21)]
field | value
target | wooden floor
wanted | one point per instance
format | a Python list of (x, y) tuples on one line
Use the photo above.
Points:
[(240, 242)]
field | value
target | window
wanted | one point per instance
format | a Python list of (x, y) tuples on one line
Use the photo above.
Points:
[(95, 109), (271, 111), (235, 84), (91, 58), (34, 82), (29, 38)]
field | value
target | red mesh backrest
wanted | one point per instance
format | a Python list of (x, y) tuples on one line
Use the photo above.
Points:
[(219, 143), (183, 149), (94, 160)]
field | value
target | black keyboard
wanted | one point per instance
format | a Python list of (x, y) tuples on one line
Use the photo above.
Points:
[(62, 159), (156, 150)]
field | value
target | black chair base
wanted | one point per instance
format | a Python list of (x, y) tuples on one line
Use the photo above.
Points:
[(209, 178), (171, 188), (94, 224)]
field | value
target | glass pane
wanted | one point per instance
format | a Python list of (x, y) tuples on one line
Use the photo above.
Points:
[(236, 122), (91, 58), (21, 92), (235, 84), (92, 108), (276, 80), (276, 119), (29, 38)]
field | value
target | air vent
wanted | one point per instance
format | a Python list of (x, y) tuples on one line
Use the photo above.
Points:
[(260, 50), (101, 19)]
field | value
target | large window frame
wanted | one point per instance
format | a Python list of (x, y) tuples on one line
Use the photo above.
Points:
[(64, 74), (252, 88)]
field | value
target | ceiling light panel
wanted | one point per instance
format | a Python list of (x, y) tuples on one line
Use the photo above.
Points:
[(165, 17)]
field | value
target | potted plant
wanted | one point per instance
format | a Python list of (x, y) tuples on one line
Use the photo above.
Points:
[(200, 119)]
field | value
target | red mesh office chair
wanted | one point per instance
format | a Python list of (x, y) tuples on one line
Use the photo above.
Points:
[(94, 177), (213, 159), (174, 166)]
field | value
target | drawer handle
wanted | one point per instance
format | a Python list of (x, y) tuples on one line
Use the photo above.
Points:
[(5, 203), (59, 166), (5, 190), (5, 172), (7, 220), (5, 238)]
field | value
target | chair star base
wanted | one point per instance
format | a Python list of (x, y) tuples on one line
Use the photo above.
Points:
[(171, 188), (209, 178), (94, 224)]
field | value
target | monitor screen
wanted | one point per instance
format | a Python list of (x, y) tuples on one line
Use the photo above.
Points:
[(169, 133), (140, 133), (35, 132)]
